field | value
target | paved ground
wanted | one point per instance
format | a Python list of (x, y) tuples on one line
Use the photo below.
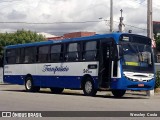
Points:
[(14, 98)]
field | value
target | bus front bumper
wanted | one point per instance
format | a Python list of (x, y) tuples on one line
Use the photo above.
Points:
[(125, 84)]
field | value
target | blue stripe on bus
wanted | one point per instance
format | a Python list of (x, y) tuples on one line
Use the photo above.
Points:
[(72, 82)]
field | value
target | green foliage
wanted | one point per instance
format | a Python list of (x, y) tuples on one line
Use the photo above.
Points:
[(157, 85), (19, 37)]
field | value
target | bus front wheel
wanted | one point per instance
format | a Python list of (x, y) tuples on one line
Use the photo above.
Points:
[(118, 93), (88, 87), (57, 90), (29, 85)]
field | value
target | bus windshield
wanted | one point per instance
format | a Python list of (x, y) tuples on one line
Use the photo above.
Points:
[(137, 57)]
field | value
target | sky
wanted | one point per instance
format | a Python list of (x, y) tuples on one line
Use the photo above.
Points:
[(64, 16)]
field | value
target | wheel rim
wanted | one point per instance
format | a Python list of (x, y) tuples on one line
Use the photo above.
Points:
[(28, 84), (88, 87)]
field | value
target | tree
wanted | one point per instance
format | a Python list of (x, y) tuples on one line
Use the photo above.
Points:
[(19, 37)]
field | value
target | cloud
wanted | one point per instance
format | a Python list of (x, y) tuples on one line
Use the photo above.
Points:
[(51, 11), (16, 15)]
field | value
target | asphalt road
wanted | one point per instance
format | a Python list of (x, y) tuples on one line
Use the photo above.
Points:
[(14, 98)]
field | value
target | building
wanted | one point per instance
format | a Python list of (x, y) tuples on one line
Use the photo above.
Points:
[(78, 34), (72, 35), (156, 27)]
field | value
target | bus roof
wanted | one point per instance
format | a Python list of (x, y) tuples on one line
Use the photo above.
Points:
[(97, 36)]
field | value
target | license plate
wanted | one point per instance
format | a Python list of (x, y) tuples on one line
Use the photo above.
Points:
[(140, 85)]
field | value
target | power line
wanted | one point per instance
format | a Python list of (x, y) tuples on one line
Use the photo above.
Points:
[(136, 27), (78, 22), (140, 3), (130, 25), (49, 23)]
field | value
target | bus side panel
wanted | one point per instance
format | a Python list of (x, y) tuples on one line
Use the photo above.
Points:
[(58, 81), (65, 75), (13, 79), (13, 74), (70, 82)]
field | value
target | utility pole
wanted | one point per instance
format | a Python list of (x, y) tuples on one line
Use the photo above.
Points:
[(150, 31), (149, 20), (121, 25), (111, 16)]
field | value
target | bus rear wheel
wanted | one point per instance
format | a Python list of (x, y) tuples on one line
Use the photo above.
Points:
[(118, 93), (57, 90), (29, 85), (88, 88)]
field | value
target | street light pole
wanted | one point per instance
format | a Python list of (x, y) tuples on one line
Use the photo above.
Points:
[(121, 24), (111, 16), (150, 31), (149, 20)]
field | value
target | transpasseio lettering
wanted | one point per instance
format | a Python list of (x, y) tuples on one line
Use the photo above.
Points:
[(49, 68)]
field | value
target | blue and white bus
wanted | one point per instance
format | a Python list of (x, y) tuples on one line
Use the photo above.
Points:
[(116, 62)]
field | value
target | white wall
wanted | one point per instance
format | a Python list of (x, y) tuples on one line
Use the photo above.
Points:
[(1, 75), (157, 67)]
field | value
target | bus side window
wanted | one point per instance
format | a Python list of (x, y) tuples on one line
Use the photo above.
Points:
[(90, 51), (56, 53), (18, 56), (72, 52), (10, 56), (43, 54), (29, 55)]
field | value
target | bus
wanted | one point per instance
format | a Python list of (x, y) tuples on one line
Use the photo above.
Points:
[(115, 62)]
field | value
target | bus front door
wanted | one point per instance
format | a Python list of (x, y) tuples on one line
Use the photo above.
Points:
[(105, 64)]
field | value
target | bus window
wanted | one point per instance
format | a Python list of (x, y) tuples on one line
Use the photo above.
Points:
[(29, 55), (18, 56), (10, 56), (56, 52), (90, 51), (43, 54), (13, 56), (72, 52)]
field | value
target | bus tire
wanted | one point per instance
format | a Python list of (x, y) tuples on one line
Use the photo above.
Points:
[(56, 90), (29, 85), (88, 87), (118, 93)]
